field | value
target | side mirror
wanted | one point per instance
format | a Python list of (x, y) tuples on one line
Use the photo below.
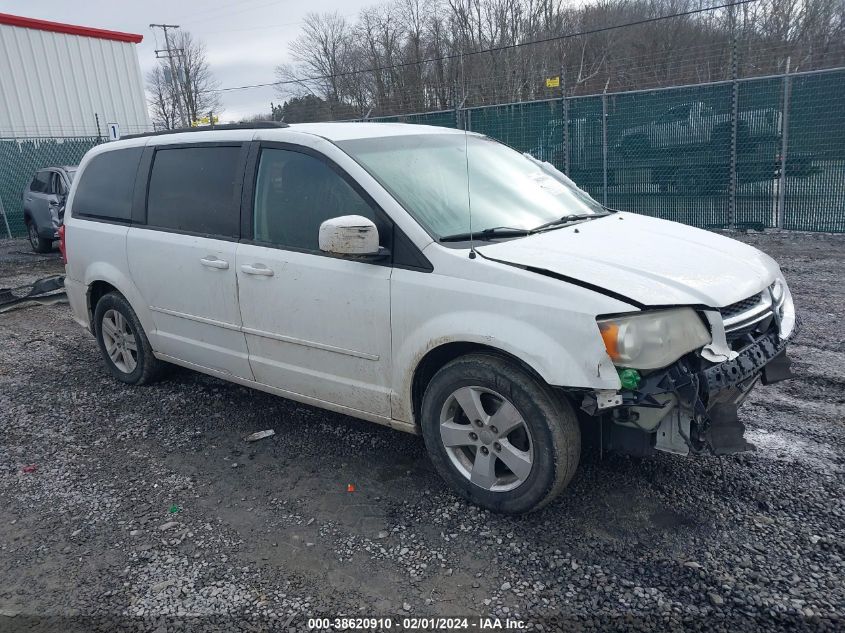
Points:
[(350, 235)]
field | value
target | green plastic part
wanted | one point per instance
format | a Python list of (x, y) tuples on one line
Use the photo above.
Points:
[(630, 378)]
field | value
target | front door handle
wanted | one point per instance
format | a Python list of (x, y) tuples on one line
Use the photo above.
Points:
[(257, 269), (212, 262)]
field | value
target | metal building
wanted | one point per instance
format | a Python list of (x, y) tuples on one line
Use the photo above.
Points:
[(61, 80)]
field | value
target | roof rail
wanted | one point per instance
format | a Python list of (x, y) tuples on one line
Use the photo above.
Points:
[(255, 125)]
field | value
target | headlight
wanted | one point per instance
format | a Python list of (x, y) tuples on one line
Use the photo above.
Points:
[(650, 340), (778, 290), (783, 306)]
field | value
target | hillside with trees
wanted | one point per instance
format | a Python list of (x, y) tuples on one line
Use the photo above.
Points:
[(422, 55)]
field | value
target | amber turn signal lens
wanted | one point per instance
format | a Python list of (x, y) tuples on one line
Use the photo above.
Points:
[(610, 336)]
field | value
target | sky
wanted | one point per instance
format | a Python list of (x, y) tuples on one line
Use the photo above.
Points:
[(245, 40)]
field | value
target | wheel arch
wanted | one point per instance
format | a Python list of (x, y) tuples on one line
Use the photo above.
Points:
[(102, 278), (438, 357), (96, 291)]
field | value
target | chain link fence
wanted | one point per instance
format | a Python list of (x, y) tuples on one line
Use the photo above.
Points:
[(756, 153), (20, 159)]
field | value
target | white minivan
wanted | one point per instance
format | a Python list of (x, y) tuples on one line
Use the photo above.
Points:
[(428, 279)]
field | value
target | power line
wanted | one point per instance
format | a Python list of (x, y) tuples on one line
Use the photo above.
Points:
[(494, 49)]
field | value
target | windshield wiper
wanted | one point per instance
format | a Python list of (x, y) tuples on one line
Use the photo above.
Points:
[(509, 231), (566, 220), (493, 232)]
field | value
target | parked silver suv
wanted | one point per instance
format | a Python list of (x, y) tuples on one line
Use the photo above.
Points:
[(44, 205)]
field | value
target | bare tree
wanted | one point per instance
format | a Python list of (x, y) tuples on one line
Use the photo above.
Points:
[(322, 53), (194, 83), (420, 55), (197, 85), (161, 100)]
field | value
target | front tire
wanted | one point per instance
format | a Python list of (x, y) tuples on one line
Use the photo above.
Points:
[(38, 243), (499, 436), (122, 341)]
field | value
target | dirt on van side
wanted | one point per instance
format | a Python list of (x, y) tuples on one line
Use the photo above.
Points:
[(144, 508)]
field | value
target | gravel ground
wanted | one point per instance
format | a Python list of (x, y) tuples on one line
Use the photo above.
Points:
[(147, 510)]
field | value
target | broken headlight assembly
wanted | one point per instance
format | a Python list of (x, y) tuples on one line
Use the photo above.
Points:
[(783, 307), (652, 339)]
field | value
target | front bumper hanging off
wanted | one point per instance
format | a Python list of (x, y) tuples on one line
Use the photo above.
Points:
[(767, 353), (700, 398)]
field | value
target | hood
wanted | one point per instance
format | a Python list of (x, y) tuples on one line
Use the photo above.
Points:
[(653, 262)]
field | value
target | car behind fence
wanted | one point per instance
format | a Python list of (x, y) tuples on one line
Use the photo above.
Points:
[(760, 152), (20, 158)]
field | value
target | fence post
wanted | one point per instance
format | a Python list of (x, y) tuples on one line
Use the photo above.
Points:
[(457, 105), (734, 116), (4, 174), (604, 144), (5, 219), (733, 162), (565, 121), (784, 138)]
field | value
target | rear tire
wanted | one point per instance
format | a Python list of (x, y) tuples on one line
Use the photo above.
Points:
[(514, 469), (122, 341), (38, 243)]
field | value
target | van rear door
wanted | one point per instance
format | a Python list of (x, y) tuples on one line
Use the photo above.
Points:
[(182, 256)]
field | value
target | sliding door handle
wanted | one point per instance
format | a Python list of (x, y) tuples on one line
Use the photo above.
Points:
[(212, 262), (257, 269)]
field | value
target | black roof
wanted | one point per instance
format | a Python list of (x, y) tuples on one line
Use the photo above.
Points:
[(255, 125)]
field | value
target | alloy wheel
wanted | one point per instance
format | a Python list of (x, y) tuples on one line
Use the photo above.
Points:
[(119, 341), (486, 439), (32, 231)]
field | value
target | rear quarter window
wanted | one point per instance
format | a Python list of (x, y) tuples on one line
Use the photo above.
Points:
[(106, 185), (196, 190)]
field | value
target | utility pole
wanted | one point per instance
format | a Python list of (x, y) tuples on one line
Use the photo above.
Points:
[(733, 181), (174, 79)]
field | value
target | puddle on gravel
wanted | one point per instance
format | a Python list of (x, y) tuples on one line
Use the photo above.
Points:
[(788, 447)]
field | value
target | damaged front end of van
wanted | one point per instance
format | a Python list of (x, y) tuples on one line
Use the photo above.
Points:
[(689, 406)]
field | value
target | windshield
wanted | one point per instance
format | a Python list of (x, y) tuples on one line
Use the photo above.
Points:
[(436, 177)]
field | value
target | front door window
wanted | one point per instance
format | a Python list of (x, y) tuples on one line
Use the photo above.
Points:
[(294, 194)]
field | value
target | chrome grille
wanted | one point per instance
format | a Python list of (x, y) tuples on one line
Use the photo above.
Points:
[(741, 306), (749, 314)]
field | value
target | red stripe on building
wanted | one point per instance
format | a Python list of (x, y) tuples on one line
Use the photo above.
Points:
[(70, 29)]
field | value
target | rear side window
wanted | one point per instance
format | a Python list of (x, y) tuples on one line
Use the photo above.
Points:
[(41, 182), (196, 190), (106, 185)]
